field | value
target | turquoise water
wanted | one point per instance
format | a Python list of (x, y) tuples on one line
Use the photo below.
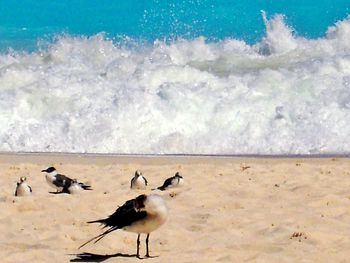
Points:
[(29, 23)]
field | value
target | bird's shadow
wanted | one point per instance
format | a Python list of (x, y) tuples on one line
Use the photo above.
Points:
[(90, 257), (58, 193)]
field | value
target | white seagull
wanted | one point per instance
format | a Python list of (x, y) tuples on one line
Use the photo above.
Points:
[(141, 215), (138, 181), (23, 188), (175, 181), (60, 181)]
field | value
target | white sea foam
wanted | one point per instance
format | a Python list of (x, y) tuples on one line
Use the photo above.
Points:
[(284, 95)]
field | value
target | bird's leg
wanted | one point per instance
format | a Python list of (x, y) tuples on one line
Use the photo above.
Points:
[(147, 250), (138, 246)]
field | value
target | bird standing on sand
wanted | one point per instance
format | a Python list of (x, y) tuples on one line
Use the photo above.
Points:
[(138, 181), (23, 188), (141, 215), (60, 181), (175, 181)]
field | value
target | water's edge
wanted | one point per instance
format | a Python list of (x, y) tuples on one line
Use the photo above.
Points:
[(233, 156)]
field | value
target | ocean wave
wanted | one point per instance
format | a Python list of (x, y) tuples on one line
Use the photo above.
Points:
[(283, 95)]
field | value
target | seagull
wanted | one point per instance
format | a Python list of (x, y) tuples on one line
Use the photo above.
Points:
[(141, 215), (138, 181), (23, 188), (175, 181), (75, 187), (60, 181)]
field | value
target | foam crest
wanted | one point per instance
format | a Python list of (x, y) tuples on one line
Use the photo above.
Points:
[(279, 37), (284, 95)]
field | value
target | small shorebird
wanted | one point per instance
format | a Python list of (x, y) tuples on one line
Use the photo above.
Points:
[(75, 187), (175, 181), (60, 181), (138, 181), (141, 215), (23, 188)]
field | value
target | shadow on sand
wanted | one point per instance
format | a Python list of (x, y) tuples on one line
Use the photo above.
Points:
[(58, 193), (90, 257)]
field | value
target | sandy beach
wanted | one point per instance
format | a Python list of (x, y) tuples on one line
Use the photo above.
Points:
[(229, 210)]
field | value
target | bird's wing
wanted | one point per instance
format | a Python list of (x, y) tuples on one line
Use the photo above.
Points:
[(62, 181), (125, 215), (166, 183), (131, 182), (17, 189)]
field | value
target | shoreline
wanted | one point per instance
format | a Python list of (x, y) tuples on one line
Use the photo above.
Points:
[(141, 155)]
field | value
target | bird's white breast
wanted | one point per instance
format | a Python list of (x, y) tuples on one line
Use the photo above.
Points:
[(49, 179), (138, 183), (23, 190), (75, 188), (180, 182), (157, 214)]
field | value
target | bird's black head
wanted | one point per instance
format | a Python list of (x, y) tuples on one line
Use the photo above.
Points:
[(49, 170), (140, 201), (23, 179), (138, 173), (177, 174)]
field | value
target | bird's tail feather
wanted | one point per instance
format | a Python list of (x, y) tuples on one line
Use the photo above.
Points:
[(85, 187), (161, 188), (101, 221), (99, 237)]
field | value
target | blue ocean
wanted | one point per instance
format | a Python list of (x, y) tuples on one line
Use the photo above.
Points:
[(175, 77)]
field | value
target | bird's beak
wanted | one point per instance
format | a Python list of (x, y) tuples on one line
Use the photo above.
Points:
[(43, 171)]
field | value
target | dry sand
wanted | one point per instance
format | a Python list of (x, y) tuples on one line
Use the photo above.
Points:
[(230, 209)]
